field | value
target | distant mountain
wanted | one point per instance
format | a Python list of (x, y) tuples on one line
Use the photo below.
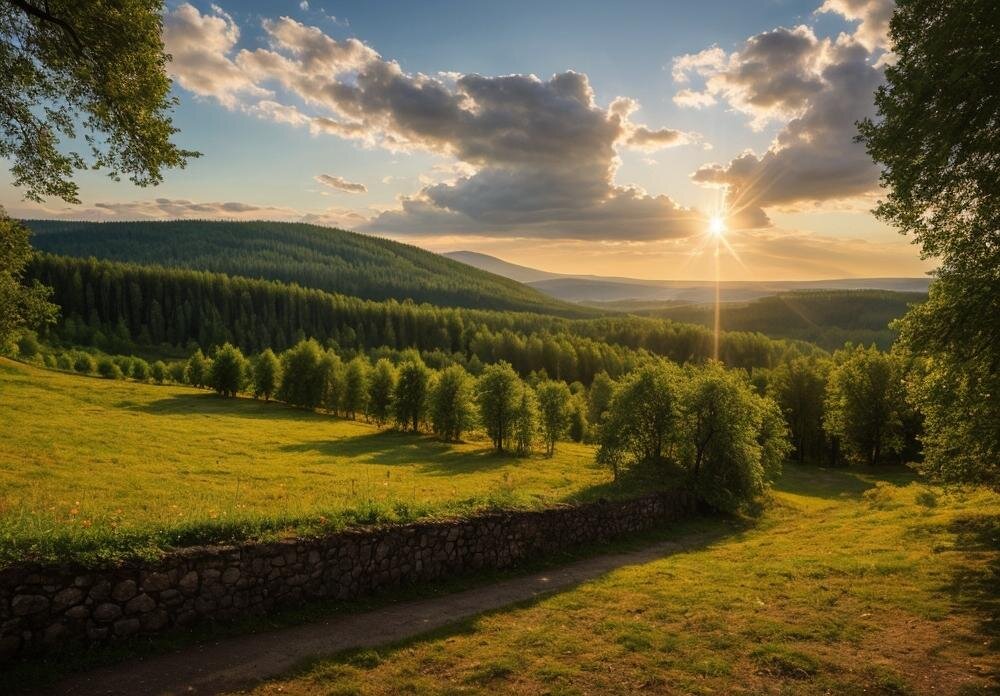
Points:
[(316, 257), (607, 291)]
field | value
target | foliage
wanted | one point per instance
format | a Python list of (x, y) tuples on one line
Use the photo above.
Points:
[(937, 140), (525, 421), (356, 376), (196, 372), (498, 397), (302, 381), (381, 391), (27, 345), (107, 369), (865, 403), (602, 389), (450, 403), (266, 374), (92, 71), (158, 371), (229, 371), (553, 412), (83, 363), (141, 371), (21, 305), (410, 405), (798, 386)]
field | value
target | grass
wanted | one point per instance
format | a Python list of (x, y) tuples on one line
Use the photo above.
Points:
[(846, 584), (94, 469)]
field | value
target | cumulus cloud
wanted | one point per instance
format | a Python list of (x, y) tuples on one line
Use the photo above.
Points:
[(340, 183), (873, 17), (535, 154)]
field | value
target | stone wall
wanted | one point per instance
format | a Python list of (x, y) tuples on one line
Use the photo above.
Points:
[(47, 607)]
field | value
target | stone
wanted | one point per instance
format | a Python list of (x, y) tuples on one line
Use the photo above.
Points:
[(230, 576), (126, 627), (25, 604), (97, 633), (107, 612), (154, 620), (100, 591), (189, 583), (67, 598), (78, 612), (155, 582), (140, 604), (124, 591)]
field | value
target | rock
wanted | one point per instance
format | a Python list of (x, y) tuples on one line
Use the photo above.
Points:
[(126, 627), (107, 612), (78, 612), (155, 582), (100, 591), (189, 583), (231, 576), (124, 591), (140, 604), (154, 620), (23, 605), (67, 598)]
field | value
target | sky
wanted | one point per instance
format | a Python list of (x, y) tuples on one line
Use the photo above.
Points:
[(576, 137)]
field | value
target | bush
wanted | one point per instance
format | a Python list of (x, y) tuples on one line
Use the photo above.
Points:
[(64, 361), (28, 346), (229, 370), (158, 371), (140, 370), (177, 371), (83, 363), (107, 368), (196, 371)]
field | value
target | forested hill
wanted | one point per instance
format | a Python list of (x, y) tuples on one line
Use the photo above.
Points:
[(312, 256), (827, 318)]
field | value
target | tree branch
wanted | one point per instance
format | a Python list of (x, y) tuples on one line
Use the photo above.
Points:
[(45, 16)]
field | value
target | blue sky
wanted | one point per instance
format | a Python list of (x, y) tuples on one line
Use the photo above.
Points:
[(599, 197)]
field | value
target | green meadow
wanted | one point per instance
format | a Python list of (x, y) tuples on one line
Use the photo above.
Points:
[(93, 468)]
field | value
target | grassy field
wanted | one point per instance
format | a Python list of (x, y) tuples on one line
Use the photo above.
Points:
[(99, 468), (845, 585)]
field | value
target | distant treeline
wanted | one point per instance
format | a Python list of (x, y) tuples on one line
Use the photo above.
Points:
[(828, 318), (316, 257), (116, 306)]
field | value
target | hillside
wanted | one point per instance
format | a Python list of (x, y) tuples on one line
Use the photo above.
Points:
[(312, 256), (825, 317)]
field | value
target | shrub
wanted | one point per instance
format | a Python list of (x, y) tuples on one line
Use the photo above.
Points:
[(177, 371), (83, 363), (229, 370), (28, 346), (64, 361), (140, 370), (196, 371), (107, 368), (158, 371)]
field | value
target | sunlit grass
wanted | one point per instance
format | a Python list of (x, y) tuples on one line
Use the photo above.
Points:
[(92, 467), (845, 585)]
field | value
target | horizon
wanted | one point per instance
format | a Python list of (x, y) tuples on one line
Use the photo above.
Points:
[(508, 134)]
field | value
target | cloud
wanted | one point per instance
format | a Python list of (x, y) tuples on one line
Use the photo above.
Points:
[(340, 183), (532, 154), (873, 15)]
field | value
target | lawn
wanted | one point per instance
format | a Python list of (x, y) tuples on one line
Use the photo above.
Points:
[(846, 584), (95, 468)]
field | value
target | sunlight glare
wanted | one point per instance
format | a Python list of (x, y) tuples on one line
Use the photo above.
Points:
[(717, 226)]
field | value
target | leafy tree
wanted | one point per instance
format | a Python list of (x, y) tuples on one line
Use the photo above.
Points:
[(599, 397), (83, 363), (93, 67), (177, 371), (64, 362), (525, 421), (21, 305), (578, 418), (229, 370), (554, 412), (107, 368), (381, 391), (356, 376), (641, 424), (196, 371), (798, 386), (158, 371), (410, 403), (333, 379), (938, 142), (266, 373), (302, 380), (498, 396), (734, 441), (141, 370), (865, 403), (124, 363), (450, 403)]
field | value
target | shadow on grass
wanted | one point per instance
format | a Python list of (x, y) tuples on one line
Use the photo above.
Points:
[(976, 586), (211, 403), (839, 483)]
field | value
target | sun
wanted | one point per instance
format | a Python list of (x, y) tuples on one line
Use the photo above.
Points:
[(716, 226)]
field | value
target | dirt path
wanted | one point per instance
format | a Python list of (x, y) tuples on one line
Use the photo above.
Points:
[(243, 661)]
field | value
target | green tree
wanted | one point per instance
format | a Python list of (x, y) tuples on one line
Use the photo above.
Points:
[(410, 404), (28, 345), (936, 139), (89, 71), (599, 397), (641, 424), (196, 371), (141, 370), (83, 363), (356, 376), (734, 441), (498, 395), (554, 412), (302, 380), (798, 386), (525, 421), (865, 403), (381, 391), (450, 403), (266, 373), (177, 371), (332, 376), (229, 370), (158, 371), (578, 418), (107, 368), (21, 305)]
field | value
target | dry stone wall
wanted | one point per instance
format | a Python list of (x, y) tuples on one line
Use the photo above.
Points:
[(52, 607)]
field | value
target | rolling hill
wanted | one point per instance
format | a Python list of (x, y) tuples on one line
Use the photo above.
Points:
[(317, 257)]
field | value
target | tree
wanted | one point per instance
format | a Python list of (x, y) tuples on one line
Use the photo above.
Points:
[(355, 399), (107, 369), (410, 403), (602, 389), (229, 370), (798, 386), (266, 374), (332, 377), (498, 396), (381, 391), (578, 418), (83, 363), (554, 412), (196, 371), (21, 306), (734, 441), (93, 71), (28, 345), (177, 371), (641, 424), (525, 421), (140, 370), (450, 403), (158, 371), (865, 403), (937, 139), (302, 380)]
